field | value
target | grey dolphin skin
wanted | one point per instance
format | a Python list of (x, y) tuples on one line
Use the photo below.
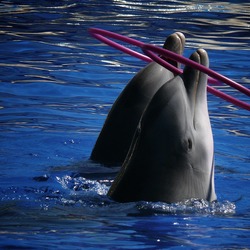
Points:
[(171, 157), (117, 133)]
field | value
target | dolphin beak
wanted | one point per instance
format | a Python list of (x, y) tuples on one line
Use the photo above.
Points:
[(196, 82), (176, 42)]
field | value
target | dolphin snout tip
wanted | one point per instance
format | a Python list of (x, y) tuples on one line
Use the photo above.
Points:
[(203, 57), (181, 37)]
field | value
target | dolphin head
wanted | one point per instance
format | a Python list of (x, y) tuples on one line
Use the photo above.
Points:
[(171, 157), (117, 133)]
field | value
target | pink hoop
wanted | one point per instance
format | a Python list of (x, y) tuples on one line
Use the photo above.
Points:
[(150, 51), (100, 34), (148, 48)]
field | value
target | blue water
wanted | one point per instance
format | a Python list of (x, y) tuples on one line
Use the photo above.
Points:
[(57, 85)]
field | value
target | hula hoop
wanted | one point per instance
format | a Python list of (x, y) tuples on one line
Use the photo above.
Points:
[(150, 51), (100, 35), (148, 48)]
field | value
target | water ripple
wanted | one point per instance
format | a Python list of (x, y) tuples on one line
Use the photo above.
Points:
[(57, 85)]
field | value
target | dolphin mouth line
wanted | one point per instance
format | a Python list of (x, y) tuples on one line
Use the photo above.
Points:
[(195, 90), (195, 100)]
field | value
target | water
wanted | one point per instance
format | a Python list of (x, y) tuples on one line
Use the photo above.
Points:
[(57, 85)]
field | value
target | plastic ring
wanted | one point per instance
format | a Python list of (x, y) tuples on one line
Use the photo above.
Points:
[(148, 48), (100, 35), (150, 56)]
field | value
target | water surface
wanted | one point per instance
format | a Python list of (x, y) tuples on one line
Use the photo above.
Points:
[(57, 85)]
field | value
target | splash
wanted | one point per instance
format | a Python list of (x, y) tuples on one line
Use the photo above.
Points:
[(75, 194), (94, 193), (83, 185), (190, 206)]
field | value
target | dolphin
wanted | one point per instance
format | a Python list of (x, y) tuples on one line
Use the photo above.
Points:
[(114, 140), (171, 157)]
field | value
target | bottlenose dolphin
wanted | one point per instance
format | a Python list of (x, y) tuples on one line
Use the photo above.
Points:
[(171, 157), (117, 133)]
